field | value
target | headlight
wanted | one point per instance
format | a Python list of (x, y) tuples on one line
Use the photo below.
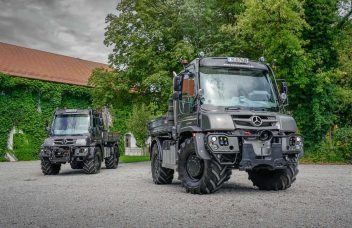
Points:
[(81, 151), (81, 142), (45, 151), (295, 142)]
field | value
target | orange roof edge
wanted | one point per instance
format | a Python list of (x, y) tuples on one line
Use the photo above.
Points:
[(46, 66)]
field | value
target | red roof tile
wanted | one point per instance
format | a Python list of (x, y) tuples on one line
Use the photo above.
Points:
[(35, 64)]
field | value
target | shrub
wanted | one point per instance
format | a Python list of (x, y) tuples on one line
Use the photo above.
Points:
[(343, 142)]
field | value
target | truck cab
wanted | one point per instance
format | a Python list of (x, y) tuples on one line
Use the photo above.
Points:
[(227, 112)]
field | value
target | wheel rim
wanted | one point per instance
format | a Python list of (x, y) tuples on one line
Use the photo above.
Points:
[(194, 166)]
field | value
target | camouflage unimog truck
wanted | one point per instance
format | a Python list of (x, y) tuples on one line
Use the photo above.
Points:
[(226, 113), (80, 137)]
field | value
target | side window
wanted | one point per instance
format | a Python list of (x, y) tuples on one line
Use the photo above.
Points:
[(96, 121), (188, 93), (99, 121)]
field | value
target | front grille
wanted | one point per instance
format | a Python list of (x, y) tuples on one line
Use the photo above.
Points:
[(246, 121), (64, 141)]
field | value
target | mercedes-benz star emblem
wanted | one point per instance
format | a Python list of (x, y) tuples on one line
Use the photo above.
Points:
[(256, 121)]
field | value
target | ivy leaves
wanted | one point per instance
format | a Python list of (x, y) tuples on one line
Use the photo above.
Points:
[(19, 107)]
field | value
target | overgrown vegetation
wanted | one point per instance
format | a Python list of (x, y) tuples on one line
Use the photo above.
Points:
[(308, 43), (137, 124), (27, 105)]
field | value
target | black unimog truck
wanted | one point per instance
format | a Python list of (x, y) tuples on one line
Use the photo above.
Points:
[(226, 113), (80, 137)]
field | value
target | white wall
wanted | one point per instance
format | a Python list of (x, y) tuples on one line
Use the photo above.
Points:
[(134, 150), (133, 140)]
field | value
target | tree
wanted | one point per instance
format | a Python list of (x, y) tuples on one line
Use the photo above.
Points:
[(344, 77), (321, 35), (273, 29), (307, 43), (326, 94), (149, 37), (136, 123)]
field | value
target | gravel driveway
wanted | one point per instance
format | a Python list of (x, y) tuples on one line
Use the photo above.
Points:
[(126, 197)]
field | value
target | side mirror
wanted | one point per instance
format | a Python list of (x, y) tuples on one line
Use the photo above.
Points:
[(177, 95), (47, 128), (284, 92), (177, 84), (284, 88), (283, 97)]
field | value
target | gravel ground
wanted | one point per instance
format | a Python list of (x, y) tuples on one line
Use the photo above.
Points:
[(127, 197)]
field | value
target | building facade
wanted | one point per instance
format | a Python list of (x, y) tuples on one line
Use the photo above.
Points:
[(33, 84)]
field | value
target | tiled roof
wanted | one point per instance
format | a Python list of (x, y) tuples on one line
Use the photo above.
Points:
[(35, 64)]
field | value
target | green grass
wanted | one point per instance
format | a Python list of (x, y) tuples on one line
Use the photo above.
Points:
[(129, 159)]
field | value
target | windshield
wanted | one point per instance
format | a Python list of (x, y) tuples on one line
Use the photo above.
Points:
[(71, 124), (242, 88)]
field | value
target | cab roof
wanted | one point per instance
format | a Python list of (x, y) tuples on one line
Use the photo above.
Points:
[(231, 62), (72, 111)]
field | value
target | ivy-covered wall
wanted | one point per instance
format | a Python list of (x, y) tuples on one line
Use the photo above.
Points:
[(27, 104)]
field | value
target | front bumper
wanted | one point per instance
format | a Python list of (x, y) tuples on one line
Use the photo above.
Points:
[(249, 152), (66, 154), (250, 159)]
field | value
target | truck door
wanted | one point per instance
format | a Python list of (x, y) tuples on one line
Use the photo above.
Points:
[(187, 109), (97, 128)]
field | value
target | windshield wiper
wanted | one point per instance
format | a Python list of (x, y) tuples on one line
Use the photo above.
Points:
[(232, 108)]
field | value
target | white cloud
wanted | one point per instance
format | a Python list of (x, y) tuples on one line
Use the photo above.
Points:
[(73, 28)]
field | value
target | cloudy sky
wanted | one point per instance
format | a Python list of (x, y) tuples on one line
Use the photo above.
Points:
[(69, 27)]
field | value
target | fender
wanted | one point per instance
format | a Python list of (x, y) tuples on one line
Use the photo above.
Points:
[(92, 151), (200, 147), (190, 129)]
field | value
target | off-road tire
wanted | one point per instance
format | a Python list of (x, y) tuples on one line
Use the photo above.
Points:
[(49, 168), (93, 165), (160, 174), (112, 161), (212, 176), (280, 179), (228, 174), (76, 165)]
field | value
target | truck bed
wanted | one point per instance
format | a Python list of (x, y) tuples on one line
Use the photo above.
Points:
[(110, 137), (160, 126)]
